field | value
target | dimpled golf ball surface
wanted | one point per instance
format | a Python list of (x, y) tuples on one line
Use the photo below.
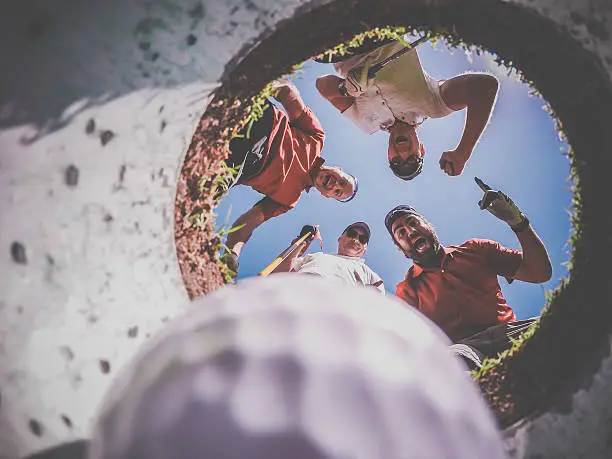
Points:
[(296, 367)]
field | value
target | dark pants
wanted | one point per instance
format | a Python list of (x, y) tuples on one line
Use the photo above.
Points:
[(489, 342), (249, 150)]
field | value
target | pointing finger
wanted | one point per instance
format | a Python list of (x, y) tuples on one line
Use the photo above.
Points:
[(488, 198)]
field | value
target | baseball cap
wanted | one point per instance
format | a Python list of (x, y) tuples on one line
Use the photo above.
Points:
[(397, 211), (356, 182), (361, 225)]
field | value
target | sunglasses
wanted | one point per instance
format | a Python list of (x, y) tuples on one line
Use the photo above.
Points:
[(407, 168), (411, 161), (352, 234)]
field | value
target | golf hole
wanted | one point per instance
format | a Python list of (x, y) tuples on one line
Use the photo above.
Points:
[(568, 345)]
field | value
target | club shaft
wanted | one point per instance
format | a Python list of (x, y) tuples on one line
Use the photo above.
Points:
[(284, 254), (376, 68)]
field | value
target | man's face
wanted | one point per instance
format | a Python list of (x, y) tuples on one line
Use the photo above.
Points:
[(333, 182), (353, 243), (404, 143), (415, 236)]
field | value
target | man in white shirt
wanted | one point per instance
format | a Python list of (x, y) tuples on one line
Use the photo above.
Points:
[(401, 96), (347, 265)]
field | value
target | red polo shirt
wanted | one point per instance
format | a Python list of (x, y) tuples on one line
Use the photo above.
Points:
[(294, 149), (463, 295)]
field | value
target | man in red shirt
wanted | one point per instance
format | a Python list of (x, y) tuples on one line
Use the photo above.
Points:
[(457, 286), (279, 155)]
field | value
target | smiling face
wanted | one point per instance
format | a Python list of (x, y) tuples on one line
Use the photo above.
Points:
[(403, 142), (416, 238), (333, 182), (350, 243)]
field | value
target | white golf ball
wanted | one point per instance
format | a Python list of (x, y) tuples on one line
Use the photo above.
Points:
[(296, 367)]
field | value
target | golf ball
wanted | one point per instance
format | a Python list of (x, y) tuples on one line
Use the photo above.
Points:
[(296, 367)]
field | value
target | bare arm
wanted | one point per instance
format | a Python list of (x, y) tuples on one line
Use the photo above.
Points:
[(477, 92), (288, 95), (259, 213), (535, 266), (327, 86), (285, 266)]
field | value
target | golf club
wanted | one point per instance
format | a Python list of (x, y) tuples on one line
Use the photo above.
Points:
[(307, 234)]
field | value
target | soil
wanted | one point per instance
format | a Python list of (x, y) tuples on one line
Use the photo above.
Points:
[(567, 349)]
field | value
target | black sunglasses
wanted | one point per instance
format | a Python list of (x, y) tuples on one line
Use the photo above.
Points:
[(408, 168), (363, 238)]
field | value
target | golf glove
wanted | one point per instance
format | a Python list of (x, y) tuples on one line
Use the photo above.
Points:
[(357, 82), (501, 206), (306, 229), (231, 261)]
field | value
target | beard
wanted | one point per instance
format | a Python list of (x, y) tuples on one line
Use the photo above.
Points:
[(425, 251)]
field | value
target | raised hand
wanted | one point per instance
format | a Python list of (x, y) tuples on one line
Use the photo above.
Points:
[(452, 162), (499, 204)]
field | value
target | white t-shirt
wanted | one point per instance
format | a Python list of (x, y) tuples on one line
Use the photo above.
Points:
[(347, 269), (400, 90)]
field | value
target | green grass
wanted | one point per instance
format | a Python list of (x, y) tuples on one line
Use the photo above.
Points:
[(490, 363), (223, 181), (376, 34), (228, 274)]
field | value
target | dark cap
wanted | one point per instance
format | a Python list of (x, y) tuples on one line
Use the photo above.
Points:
[(396, 212), (361, 225)]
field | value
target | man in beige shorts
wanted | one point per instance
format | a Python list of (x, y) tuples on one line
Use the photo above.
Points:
[(400, 96)]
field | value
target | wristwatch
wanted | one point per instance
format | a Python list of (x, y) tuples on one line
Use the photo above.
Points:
[(521, 226)]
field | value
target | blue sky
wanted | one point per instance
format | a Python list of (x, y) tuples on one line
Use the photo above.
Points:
[(519, 153)]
